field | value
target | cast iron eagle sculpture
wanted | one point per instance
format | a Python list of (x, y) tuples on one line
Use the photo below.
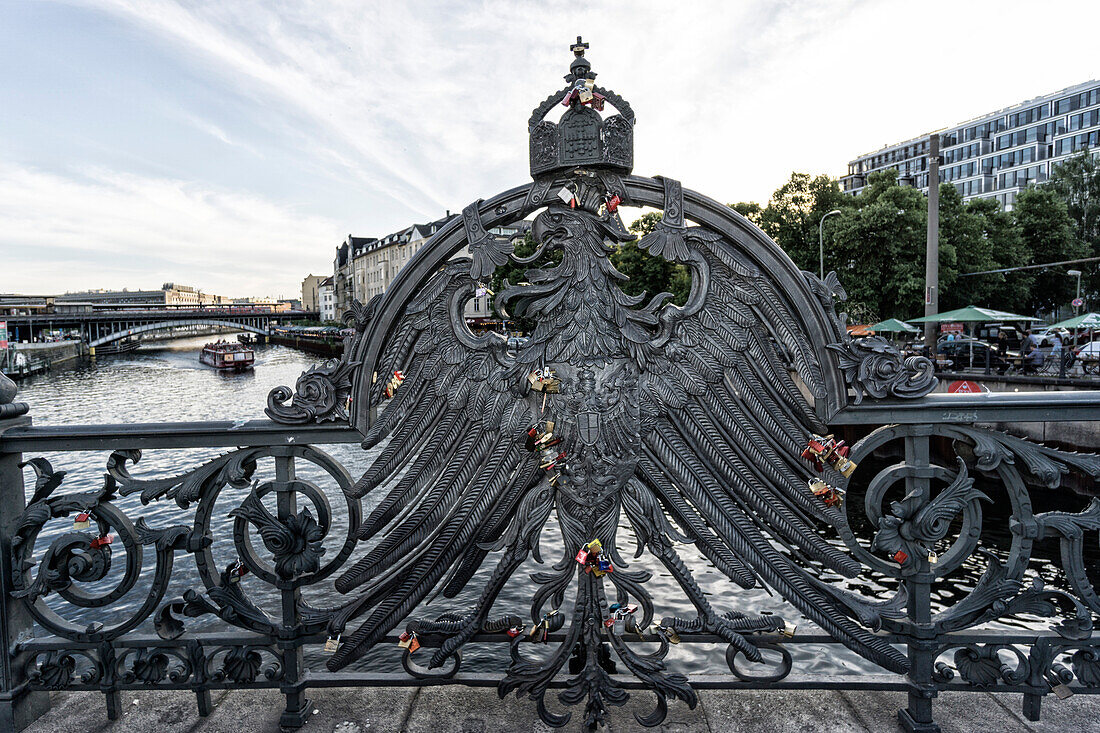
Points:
[(686, 419)]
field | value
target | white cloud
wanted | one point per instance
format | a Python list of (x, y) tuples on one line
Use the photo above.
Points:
[(114, 230), (413, 108)]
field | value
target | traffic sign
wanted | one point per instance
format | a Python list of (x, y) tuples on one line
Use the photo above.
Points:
[(965, 386), (1078, 302)]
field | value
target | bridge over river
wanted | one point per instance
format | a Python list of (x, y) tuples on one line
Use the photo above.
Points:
[(100, 327)]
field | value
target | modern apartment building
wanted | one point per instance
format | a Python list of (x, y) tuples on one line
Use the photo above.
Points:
[(365, 266), (996, 155)]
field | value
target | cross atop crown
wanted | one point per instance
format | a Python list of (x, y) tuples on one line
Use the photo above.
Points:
[(579, 47)]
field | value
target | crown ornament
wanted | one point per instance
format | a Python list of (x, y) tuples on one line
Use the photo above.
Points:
[(582, 138)]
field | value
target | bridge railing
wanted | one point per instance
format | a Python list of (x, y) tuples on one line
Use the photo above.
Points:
[(217, 576)]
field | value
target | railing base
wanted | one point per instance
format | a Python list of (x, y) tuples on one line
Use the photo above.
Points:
[(295, 717), (21, 708), (912, 726)]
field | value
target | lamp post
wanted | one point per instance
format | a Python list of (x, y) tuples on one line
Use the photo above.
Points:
[(821, 243), (1071, 273)]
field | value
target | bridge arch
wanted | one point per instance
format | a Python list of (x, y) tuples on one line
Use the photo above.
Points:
[(161, 325)]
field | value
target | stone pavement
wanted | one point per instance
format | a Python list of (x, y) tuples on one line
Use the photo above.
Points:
[(478, 710)]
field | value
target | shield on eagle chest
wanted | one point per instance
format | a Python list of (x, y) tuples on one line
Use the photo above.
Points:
[(588, 427)]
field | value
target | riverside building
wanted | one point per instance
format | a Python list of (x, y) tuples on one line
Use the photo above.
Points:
[(998, 154), (365, 266)]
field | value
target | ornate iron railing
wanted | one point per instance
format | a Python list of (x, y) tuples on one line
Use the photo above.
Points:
[(700, 425), (136, 635)]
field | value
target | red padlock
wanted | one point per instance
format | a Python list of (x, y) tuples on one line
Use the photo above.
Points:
[(102, 541), (613, 203), (514, 631), (900, 557)]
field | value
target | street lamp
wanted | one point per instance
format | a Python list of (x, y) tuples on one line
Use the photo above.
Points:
[(1076, 308), (821, 242)]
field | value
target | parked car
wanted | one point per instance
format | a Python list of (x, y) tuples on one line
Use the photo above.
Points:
[(972, 354), (1089, 356)]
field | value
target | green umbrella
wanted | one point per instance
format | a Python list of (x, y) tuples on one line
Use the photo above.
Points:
[(1088, 320), (893, 325), (972, 314)]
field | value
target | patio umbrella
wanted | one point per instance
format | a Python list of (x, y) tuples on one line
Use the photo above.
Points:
[(1087, 320), (972, 314), (893, 325)]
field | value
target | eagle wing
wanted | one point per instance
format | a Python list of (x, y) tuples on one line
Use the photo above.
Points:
[(724, 422), (453, 471)]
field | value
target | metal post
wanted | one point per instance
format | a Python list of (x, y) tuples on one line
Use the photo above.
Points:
[(18, 706), (298, 708), (821, 243), (932, 252), (917, 716), (1076, 308)]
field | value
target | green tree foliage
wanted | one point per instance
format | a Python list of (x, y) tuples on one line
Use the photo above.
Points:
[(999, 245), (1047, 231), (1077, 182), (649, 274), (877, 248), (794, 212)]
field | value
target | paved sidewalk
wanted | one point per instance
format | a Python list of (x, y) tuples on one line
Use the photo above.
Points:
[(479, 710)]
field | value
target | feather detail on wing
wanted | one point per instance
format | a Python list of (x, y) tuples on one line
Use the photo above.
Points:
[(723, 427), (453, 472)]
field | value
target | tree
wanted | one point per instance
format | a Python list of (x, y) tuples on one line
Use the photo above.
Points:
[(792, 216), (878, 248), (750, 210), (1077, 181), (1047, 229), (648, 273), (1002, 247)]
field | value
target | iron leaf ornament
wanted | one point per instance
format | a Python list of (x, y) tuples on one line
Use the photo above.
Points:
[(685, 421)]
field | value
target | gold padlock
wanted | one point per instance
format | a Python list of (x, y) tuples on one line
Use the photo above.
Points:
[(332, 644)]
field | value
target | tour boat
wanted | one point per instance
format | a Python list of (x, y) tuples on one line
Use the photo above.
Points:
[(226, 355)]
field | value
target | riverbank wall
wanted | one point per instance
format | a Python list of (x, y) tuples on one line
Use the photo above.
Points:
[(22, 360)]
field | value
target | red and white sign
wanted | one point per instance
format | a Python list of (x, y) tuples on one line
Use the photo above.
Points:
[(965, 386), (1078, 302), (951, 327)]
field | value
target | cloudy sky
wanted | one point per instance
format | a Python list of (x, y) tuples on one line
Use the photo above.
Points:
[(232, 144)]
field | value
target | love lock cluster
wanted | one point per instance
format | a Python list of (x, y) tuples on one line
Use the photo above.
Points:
[(543, 441), (395, 382), (592, 558), (828, 451), (832, 496), (622, 619)]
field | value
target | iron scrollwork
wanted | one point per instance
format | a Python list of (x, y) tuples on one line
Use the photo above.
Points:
[(686, 422)]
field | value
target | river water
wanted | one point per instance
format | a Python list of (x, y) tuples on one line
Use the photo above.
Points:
[(165, 382)]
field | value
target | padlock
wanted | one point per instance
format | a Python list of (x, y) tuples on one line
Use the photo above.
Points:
[(900, 557), (236, 570), (613, 203), (582, 556), (788, 630), (1060, 690), (515, 631), (566, 196), (82, 520), (673, 637), (101, 541), (332, 644), (609, 622), (620, 626), (843, 466), (408, 640), (933, 558)]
